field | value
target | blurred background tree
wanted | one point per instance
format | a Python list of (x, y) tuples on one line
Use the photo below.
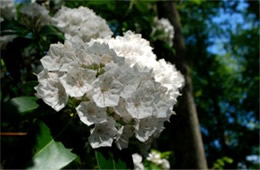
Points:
[(223, 44), (222, 53)]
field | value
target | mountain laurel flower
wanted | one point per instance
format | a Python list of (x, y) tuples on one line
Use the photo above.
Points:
[(7, 10), (90, 114), (155, 158), (145, 128), (137, 50), (81, 22), (34, 16), (103, 134), (163, 30), (51, 90), (133, 48), (137, 160), (121, 90), (78, 81), (106, 90)]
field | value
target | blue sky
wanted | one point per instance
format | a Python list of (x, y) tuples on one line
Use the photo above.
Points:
[(234, 21), (227, 20)]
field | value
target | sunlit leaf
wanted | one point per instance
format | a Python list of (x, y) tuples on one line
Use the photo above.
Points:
[(22, 104), (49, 153)]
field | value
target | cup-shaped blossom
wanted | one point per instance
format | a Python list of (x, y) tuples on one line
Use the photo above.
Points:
[(163, 105), (130, 77), (133, 48), (103, 134), (51, 90), (137, 160), (145, 128), (7, 9), (140, 104), (106, 90), (61, 56), (163, 30), (81, 22), (34, 16), (90, 114), (166, 74), (156, 159), (97, 53), (78, 81)]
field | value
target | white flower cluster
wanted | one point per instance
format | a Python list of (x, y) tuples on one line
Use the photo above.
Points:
[(123, 91), (137, 50), (34, 16), (137, 160), (163, 30), (153, 157), (7, 10), (81, 22)]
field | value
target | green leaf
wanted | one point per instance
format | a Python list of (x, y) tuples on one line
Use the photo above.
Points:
[(21, 105), (197, 2), (25, 104), (166, 155), (221, 162), (106, 160), (150, 165), (141, 6), (49, 153), (43, 137), (228, 159), (12, 27), (120, 164), (50, 30), (108, 4)]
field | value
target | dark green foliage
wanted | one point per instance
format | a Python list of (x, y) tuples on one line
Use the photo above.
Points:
[(106, 160), (49, 154), (19, 107)]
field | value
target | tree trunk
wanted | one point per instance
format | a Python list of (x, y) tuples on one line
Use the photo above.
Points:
[(187, 141)]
